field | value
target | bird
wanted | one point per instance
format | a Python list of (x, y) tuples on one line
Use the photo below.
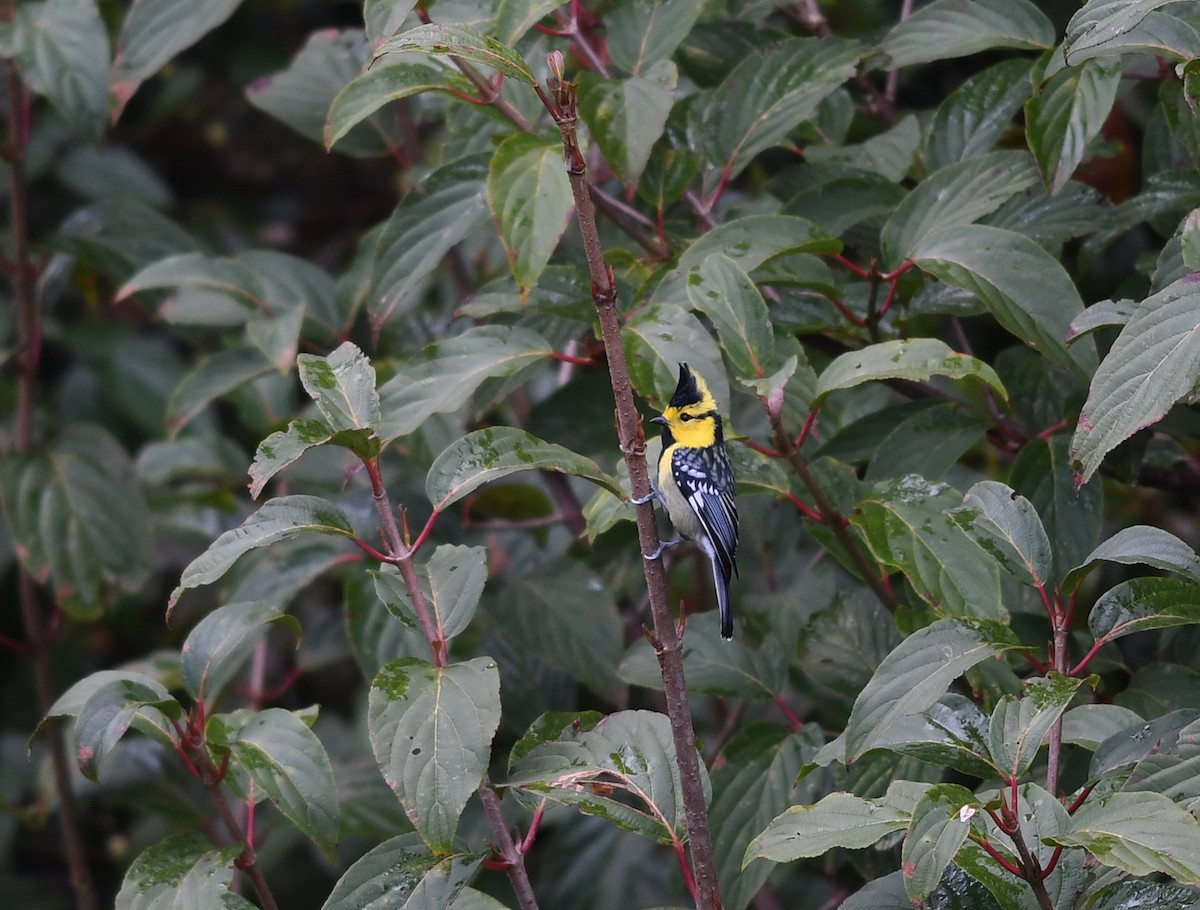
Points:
[(696, 485)]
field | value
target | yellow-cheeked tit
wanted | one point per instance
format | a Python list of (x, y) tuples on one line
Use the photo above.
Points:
[(696, 483)]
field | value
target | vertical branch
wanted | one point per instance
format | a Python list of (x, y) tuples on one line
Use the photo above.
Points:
[(29, 344), (633, 445)]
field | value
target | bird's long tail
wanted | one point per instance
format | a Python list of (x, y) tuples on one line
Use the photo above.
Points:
[(721, 585)]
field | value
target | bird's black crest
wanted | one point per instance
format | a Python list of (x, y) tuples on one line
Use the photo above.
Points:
[(687, 392)]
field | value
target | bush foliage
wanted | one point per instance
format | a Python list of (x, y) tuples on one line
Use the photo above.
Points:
[(328, 336)]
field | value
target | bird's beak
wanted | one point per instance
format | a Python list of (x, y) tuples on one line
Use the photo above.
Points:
[(660, 420)]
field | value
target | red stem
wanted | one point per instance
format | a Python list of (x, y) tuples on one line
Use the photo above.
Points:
[(761, 449), (569, 358), (891, 296), (850, 266), (1080, 799), (1053, 862), (857, 320), (688, 878), (793, 720), (805, 510), (807, 428), (1087, 658), (416, 544), (999, 857), (893, 276)]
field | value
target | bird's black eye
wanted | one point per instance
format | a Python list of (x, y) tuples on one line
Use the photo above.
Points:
[(685, 417)]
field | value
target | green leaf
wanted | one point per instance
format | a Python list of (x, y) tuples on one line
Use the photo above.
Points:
[(930, 441), (1173, 768), (452, 371), (729, 298), (343, 386), (1104, 314), (951, 28), (301, 95), (631, 752), (431, 731), (281, 449), (917, 359), (1141, 604), (771, 93), (453, 581), (1118, 754), (1143, 545), (401, 872), (752, 241), (383, 17), (60, 48), (422, 230), (643, 32), (487, 455), (287, 762), (1100, 22), (120, 236), (256, 285), (181, 871), (940, 824), (838, 820), (359, 98), (1154, 363), (658, 339), (907, 526), (754, 782), (563, 613), (1126, 893), (889, 154), (530, 198), (952, 733), (1020, 725), (463, 43), (1140, 833), (1158, 34), (1071, 516), (153, 32), (1090, 725), (222, 641), (1006, 524), (110, 709), (215, 377), (974, 116), (958, 194), (917, 673), (515, 17), (627, 116), (76, 513), (1065, 114), (1025, 288), (282, 518), (222, 275)]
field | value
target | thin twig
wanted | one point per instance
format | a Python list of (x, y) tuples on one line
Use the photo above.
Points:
[(633, 446)]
